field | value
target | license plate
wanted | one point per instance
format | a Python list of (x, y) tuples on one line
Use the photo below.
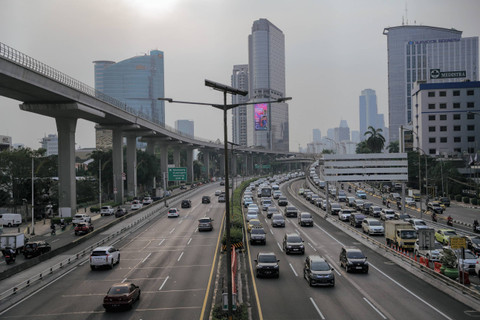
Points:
[(295, 249), (358, 267)]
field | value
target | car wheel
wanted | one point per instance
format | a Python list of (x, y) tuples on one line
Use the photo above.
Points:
[(139, 293), (111, 264), (258, 275), (9, 225), (278, 275), (118, 260), (310, 283), (347, 269), (92, 267)]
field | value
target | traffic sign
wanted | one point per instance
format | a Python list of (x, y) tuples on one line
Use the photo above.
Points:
[(458, 242), (177, 174)]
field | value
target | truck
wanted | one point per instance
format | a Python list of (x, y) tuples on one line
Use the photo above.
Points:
[(415, 194), (16, 241), (400, 233)]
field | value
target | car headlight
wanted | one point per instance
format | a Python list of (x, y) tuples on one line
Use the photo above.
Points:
[(301, 246)]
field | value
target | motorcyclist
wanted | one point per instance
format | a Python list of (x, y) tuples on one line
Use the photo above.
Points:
[(399, 205), (53, 229), (434, 217), (388, 203), (475, 225), (349, 188), (62, 224), (450, 220), (9, 254)]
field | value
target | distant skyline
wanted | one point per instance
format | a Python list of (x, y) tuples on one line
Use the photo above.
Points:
[(334, 49)]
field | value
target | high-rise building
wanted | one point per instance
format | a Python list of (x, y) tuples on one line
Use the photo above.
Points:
[(267, 124), (342, 133), (50, 143), (185, 126), (368, 111), (424, 53), (137, 82), (5, 143), (239, 114), (317, 135)]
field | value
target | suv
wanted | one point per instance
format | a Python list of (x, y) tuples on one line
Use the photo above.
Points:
[(120, 212), (374, 211), (293, 243), (205, 199), (353, 259), (278, 220), (318, 272), (291, 211), (106, 211), (81, 217), (186, 204), (305, 219), (205, 224), (257, 234), (335, 208), (445, 201), (267, 265), (282, 201), (372, 226), (83, 228), (271, 211), (104, 257), (35, 248), (356, 220)]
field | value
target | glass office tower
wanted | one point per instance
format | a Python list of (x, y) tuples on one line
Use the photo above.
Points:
[(239, 114)]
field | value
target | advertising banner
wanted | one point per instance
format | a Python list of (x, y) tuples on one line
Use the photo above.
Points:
[(261, 120)]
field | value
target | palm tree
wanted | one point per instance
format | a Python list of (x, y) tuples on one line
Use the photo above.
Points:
[(393, 147), (375, 141)]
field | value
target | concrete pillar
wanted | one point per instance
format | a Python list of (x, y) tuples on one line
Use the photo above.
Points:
[(150, 146), (163, 158), (206, 163), (176, 157), (234, 165), (245, 165), (67, 183), (222, 165), (250, 164), (190, 177), (132, 166), (117, 163)]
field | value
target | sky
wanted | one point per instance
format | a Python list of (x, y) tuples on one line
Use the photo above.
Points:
[(334, 49)]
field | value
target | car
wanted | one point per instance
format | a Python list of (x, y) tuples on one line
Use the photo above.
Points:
[(401, 216), (357, 204), (83, 228), (253, 223), (120, 212), (291, 211), (353, 259), (435, 206), (309, 195), (121, 295), (253, 207), (278, 220), (361, 194), (445, 201), (394, 196), (409, 201), (136, 205), (342, 196), (345, 214), (372, 226), (221, 198), (277, 194), (217, 193), (266, 202), (473, 243), (350, 201), (365, 208), (173, 213), (104, 257), (387, 214), (147, 200), (206, 199), (356, 219), (323, 205), (80, 218), (247, 201), (314, 198), (222, 183), (318, 272), (305, 219), (266, 265), (335, 208), (432, 254), (468, 263), (106, 211), (258, 235), (205, 224), (418, 223), (443, 235), (272, 210), (35, 248), (375, 211), (186, 204), (251, 214), (293, 243), (301, 191), (282, 201)]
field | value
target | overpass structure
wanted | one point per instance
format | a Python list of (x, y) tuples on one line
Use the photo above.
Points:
[(49, 92)]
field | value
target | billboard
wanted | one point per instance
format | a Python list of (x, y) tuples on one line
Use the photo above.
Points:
[(260, 116)]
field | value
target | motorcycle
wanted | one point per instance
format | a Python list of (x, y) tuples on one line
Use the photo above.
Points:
[(399, 206), (53, 232), (450, 221), (63, 226), (349, 189), (434, 217), (9, 256)]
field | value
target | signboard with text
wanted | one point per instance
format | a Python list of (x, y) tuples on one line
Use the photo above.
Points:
[(437, 74), (260, 116), (177, 174)]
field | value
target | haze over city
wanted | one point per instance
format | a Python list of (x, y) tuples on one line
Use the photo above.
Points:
[(334, 50)]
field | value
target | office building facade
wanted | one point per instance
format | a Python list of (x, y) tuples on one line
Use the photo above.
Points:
[(185, 127), (424, 53), (50, 144), (368, 111), (267, 124), (239, 114), (317, 135)]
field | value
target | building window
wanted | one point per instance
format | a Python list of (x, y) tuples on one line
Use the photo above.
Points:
[(431, 106), (431, 93), (471, 139), (443, 117), (443, 139), (456, 116), (456, 105), (470, 116), (432, 151), (470, 104), (456, 128), (470, 93), (443, 93), (471, 127), (443, 106), (457, 150), (431, 129), (456, 93), (432, 140), (457, 139), (471, 150), (443, 128), (431, 117)]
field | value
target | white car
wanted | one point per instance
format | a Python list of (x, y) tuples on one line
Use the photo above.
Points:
[(372, 227), (387, 214), (251, 215), (136, 205), (173, 213), (81, 218), (409, 201), (344, 214), (418, 224), (253, 207), (431, 255), (106, 211), (146, 201), (104, 257), (218, 192)]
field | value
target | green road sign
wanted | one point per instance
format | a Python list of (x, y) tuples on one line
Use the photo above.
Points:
[(177, 174), (262, 166)]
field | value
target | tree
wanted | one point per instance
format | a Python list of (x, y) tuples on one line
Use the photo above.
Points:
[(362, 147), (393, 147), (375, 141)]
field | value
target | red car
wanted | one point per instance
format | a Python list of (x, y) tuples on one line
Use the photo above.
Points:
[(83, 228), (121, 295)]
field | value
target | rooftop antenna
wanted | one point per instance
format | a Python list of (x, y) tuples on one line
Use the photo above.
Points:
[(406, 13)]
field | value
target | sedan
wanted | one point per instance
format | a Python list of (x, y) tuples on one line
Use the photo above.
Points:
[(121, 295), (252, 224), (443, 235), (173, 213), (305, 219), (278, 220), (205, 224)]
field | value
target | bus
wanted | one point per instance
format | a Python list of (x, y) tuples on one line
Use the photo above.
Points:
[(266, 192)]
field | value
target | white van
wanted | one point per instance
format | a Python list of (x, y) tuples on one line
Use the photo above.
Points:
[(10, 219)]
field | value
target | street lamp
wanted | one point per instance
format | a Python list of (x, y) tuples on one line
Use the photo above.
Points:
[(225, 107)]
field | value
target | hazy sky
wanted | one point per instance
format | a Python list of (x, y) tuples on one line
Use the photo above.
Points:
[(334, 50)]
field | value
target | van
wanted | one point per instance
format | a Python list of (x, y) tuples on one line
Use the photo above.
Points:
[(10, 219)]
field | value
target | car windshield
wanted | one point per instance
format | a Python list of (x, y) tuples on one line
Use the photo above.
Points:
[(409, 234), (272, 209), (476, 241), (469, 255), (254, 222), (320, 266), (291, 209), (99, 253), (278, 218), (258, 231), (268, 258), (450, 233), (118, 290), (355, 255), (336, 206), (294, 239), (204, 220), (306, 215), (375, 223), (420, 223)]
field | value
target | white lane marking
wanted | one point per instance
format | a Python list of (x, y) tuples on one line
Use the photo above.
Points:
[(34, 293), (308, 237), (271, 231), (181, 255), (146, 258), (312, 246), (163, 283), (171, 231), (55, 240), (279, 246), (180, 222), (189, 241), (328, 234), (124, 280), (374, 308), (161, 242), (296, 275), (339, 274), (316, 307), (81, 264)]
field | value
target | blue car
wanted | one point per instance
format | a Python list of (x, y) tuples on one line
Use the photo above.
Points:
[(361, 194)]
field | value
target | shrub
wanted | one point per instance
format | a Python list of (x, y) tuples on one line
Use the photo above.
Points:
[(474, 201), (236, 235), (458, 198), (240, 314), (466, 200)]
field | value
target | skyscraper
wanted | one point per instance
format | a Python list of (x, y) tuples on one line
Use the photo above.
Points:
[(424, 53), (136, 81), (267, 124), (185, 127), (239, 114), (368, 112), (317, 135)]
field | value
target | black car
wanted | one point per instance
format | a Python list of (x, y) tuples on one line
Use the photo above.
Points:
[(353, 259), (186, 204), (291, 211), (282, 201), (365, 208), (205, 199), (271, 211), (35, 248), (293, 243), (278, 220), (318, 272), (120, 212), (267, 265), (305, 219), (205, 224), (257, 235), (445, 201), (356, 220)]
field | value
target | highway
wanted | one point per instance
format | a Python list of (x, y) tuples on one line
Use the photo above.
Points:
[(168, 258), (386, 292)]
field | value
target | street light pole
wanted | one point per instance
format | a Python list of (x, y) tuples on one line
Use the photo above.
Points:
[(33, 199)]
